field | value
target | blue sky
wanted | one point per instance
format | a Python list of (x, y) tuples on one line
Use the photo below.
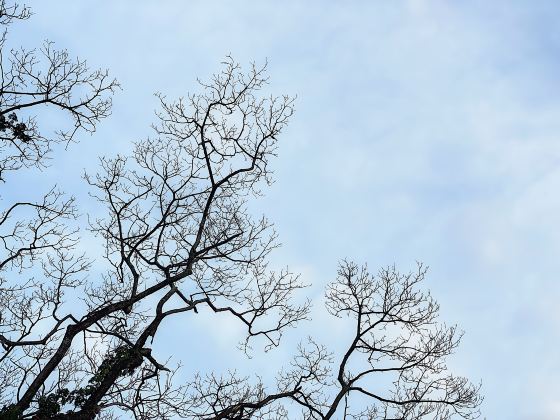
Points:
[(424, 130)]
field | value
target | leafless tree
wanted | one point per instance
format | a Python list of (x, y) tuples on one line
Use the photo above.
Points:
[(32, 80), (177, 237), (393, 367)]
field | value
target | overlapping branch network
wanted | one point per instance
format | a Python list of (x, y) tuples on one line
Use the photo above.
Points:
[(394, 365), (32, 81), (177, 237), (76, 335)]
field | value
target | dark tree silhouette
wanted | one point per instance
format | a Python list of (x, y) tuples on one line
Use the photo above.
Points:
[(393, 368), (34, 79), (178, 237)]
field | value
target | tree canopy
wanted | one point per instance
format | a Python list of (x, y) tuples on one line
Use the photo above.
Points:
[(177, 237)]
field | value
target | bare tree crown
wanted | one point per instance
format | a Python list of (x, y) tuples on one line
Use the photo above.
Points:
[(177, 236), (32, 80)]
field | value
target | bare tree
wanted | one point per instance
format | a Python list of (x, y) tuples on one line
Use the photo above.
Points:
[(32, 80), (393, 368), (178, 237)]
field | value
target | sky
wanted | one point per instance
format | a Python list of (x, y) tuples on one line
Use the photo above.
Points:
[(424, 131)]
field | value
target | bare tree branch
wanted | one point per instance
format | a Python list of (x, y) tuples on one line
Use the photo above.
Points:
[(177, 237)]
